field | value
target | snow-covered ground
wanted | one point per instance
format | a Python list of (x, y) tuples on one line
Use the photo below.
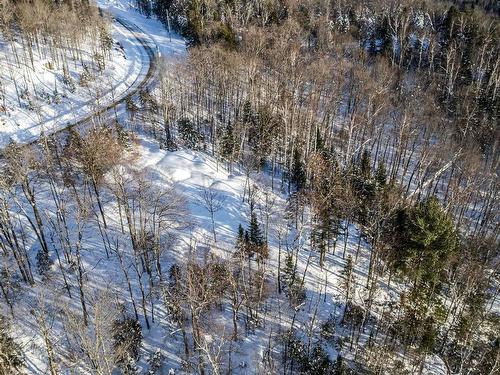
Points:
[(169, 44), (56, 104), (190, 173)]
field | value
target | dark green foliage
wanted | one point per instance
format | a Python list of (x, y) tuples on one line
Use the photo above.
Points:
[(256, 236), (328, 329), (298, 173), (155, 363), (188, 133), (227, 144), (314, 363), (162, 9), (248, 114), (242, 241), (340, 368), (348, 276), (363, 186), (256, 242), (174, 274), (127, 340), (422, 317), (263, 128), (11, 356), (319, 363), (43, 262), (227, 36), (293, 287), (381, 176), (193, 31), (364, 166), (429, 241)]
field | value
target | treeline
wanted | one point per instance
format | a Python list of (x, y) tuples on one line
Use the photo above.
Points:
[(451, 51)]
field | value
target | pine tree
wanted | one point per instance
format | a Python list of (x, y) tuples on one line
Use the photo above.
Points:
[(381, 176), (348, 282), (256, 239), (319, 363), (127, 339), (194, 27), (248, 115), (188, 133), (340, 368), (241, 243), (364, 165), (255, 233)]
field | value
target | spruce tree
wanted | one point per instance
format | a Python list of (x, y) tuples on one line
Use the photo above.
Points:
[(188, 133), (241, 241), (255, 233), (127, 339), (257, 242), (348, 282), (364, 165), (381, 176)]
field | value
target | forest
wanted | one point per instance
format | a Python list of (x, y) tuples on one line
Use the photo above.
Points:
[(311, 188)]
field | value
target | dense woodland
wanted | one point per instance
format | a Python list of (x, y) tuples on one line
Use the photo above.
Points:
[(382, 115)]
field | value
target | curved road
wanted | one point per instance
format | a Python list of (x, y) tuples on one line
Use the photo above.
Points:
[(140, 83)]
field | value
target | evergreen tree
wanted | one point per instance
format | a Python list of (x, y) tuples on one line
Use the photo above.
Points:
[(290, 271), (188, 133), (319, 363), (227, 143), (294, 290), (127, 339), (320, 144), (241, 243), (430, 239), (248, 115), (255, 233), (364, 166), (340, 368), (11, 356), (256, 239), (193, 30), (298, 174), (381, 176), (348, 282)]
